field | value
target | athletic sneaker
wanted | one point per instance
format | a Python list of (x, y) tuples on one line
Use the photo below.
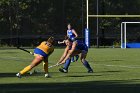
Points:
[(47, 75), (63, 70), (18, 75), (90, 71)]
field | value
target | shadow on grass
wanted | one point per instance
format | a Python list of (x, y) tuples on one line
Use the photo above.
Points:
[(7, 75), (113, 60), (2, 75), (113, 71), (76, 87), (81, 75), (107, 86), (117, 60)]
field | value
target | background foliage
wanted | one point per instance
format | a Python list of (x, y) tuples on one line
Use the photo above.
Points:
[(34, 19)]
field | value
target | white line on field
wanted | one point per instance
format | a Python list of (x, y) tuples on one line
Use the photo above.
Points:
[(108, 65), (122, 66)]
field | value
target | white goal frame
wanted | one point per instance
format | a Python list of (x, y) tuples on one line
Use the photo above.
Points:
[(124, 33), (97, 16)]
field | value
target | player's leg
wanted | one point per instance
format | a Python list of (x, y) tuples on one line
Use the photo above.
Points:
[(72, 59), (66, 66), (45, 67), (68, 61), (85, 62), (77, 57), (34, 63)]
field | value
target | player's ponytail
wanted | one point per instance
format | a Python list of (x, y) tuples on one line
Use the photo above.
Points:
[(51, 40)]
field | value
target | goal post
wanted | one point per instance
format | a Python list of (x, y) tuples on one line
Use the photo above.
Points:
[(123, 35), (97, 16), (87, 42), (124, 43)]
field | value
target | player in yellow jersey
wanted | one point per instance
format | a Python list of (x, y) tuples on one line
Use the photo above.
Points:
[(41, 53)]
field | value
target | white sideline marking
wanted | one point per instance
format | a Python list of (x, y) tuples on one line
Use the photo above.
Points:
[(107, 65), (118, 66)]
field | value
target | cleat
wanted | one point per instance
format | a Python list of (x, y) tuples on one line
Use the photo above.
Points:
[(18, 75), (90, 71), (63, 70), (47, 75)]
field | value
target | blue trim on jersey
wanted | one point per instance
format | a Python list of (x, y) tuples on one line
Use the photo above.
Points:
[(40, 52)]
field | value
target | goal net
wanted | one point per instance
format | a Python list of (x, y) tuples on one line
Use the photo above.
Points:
[(130, 35)]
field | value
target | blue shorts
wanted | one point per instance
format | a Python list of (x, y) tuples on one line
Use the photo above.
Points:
[(40, 52), (85, 48)]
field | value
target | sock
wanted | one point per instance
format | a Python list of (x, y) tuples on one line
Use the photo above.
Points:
[(72, 59), (45, 66), (77, 57), (26, 69), (66, 65), (86, 64)]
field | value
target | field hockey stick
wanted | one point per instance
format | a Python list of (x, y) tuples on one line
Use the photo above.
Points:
[(60, 42), (26, 50), (54, 65)]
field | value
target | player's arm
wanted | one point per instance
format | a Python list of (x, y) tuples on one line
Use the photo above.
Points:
[(64, 55), (70, 52), (51, 52), (74, 32), (67, 34)]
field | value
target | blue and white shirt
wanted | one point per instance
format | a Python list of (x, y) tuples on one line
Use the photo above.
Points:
[(70, 34)]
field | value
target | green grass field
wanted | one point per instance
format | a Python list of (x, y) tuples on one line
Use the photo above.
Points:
[(115, 71)]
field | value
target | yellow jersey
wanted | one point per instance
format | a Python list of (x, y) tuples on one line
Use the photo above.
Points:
[(45, 48)]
